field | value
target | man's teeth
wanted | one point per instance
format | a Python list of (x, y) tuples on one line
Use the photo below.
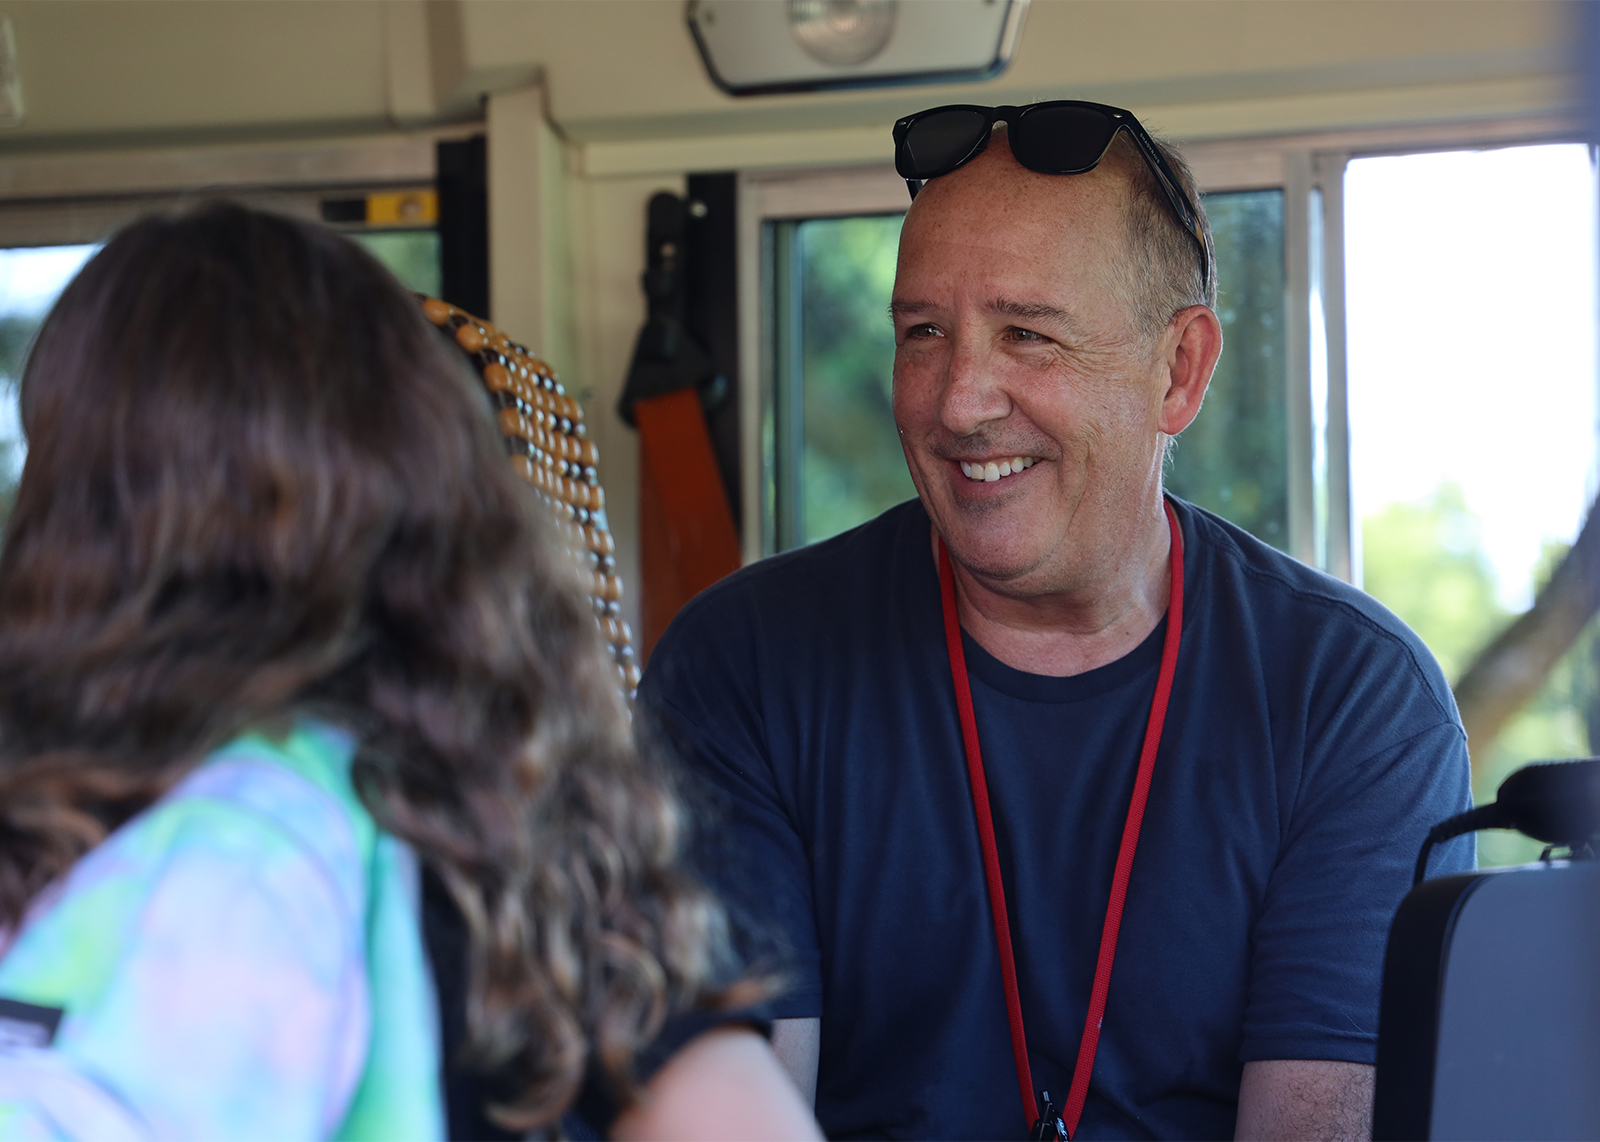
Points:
[(997, 470)]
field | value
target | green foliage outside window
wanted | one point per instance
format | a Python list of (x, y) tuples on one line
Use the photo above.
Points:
[(16, 338), (1234, 460), (1425, 561), (411, 255), (853, 466)]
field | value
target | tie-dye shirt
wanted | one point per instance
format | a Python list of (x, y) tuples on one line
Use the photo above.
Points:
[(242, 960)]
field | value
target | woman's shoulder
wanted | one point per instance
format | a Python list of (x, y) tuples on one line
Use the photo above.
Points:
[(260, 818), (294, 788), (183, 948), (253, 907)]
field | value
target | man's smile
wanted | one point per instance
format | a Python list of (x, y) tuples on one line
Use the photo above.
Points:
[(988, 471)]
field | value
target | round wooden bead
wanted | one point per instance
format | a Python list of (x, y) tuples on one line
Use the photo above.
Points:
[(437, 311), (470, 338)]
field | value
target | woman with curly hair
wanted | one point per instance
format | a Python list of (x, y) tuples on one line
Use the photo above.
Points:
[(282, 636)]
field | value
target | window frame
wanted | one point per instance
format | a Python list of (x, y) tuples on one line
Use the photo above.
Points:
[(784, 196), (1309, 169), (50, 199)]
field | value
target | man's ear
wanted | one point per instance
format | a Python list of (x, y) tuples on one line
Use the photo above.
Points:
[(1193, 342)]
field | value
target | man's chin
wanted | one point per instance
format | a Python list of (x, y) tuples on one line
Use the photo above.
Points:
[(1005, 577), (998, 559), (1000, 538)]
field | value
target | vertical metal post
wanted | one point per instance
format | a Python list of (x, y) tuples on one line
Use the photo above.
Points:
[(788, 386), (1343, 548), (1298, 352), (1319, 382), (755, 378)]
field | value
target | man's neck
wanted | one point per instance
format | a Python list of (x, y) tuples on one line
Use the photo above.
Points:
[(1070, 632)]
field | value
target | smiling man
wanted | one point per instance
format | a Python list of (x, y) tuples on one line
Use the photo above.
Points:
[(1045, 781)]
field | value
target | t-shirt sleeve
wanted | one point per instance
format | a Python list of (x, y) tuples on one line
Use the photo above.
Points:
[(1347, 862), (233, 1003), (702, 697)]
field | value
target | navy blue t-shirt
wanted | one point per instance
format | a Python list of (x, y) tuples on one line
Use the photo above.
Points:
[(1310, 743)]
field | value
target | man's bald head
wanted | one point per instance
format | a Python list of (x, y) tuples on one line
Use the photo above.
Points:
[(1156, 269)]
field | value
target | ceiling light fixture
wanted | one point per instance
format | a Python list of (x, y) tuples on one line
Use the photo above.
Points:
[(842, 33), (760, 47)]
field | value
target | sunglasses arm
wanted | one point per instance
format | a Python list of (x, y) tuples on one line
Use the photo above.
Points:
[(913, 185)]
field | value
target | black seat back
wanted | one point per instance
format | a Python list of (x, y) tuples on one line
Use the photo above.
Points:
[(1489, 1025)]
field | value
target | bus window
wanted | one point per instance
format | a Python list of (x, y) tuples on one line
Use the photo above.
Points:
[(837, 453), (411, 255), (1234, 458), (1472, 334), (31, 278)]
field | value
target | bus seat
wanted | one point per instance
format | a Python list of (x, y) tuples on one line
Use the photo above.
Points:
[(1489, 1024), (550, 448)]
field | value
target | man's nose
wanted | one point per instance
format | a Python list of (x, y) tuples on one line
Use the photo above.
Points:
[(973, 394)]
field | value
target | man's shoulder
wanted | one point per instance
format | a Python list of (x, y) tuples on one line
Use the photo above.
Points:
[(1240, 563), (1288, 607)]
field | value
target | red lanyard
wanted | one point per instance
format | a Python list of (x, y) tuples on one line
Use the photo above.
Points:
[(1073, 1109)]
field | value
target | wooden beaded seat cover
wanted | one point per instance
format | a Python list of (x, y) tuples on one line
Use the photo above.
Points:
[(550, 449)]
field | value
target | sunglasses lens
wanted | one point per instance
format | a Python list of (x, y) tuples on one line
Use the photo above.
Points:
[(1062, 140), (936, 143)]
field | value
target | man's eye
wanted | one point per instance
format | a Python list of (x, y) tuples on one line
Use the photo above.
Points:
[(924, 330), (1024, 335)]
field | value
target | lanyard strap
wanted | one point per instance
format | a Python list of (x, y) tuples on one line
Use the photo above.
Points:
[(1130, 835)]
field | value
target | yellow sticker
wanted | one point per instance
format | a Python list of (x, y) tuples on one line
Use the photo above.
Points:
[(403, 208)]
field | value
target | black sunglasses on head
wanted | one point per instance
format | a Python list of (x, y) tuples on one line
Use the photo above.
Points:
[(1064, 136)]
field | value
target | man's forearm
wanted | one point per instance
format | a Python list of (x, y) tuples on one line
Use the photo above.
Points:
[(798, 1045), (1295, 1099)]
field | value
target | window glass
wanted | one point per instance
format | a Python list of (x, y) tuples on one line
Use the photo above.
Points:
[(1234, 458), (852, 465), (1471, 314), (411, 255), (31, 278)]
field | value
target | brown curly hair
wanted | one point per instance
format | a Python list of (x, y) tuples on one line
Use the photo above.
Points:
[(258, 487)]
